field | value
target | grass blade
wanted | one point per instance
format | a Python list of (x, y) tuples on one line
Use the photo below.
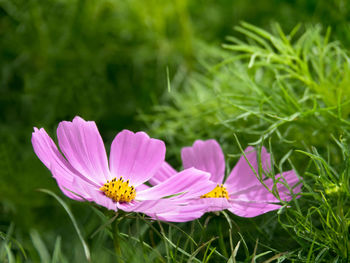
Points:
[(71, 216)]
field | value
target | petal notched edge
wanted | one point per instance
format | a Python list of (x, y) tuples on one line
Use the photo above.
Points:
[(206, 156), (136, 156), (82, 145)]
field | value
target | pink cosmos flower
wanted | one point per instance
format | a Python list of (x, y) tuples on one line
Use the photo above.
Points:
[(242, 193), (83, 172)]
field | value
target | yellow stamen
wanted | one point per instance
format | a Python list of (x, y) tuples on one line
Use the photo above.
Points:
[(218, 192), (118, 190)]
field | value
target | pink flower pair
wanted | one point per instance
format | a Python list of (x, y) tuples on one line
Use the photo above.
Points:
[(84, 173)]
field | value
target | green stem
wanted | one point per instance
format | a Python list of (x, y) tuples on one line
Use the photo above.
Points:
[(116, 240)]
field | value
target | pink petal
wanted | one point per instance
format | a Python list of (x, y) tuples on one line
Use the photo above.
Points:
[(242, 175), (65, 188), (259, 192), (183, 214), (88, 192), (83, 147), (80, 190), (164, 172), (206, 156), (195, 209), (48, 153), (255, 193), (141, 187), (45, 148), (247, 209), (179, 217), (191, 182), (71, 184), (135, 156), (149, 206), (212, 204), (289, 178), (99, 198)]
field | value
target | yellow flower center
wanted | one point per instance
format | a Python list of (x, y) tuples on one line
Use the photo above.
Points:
[(119, 190), (218, 192)]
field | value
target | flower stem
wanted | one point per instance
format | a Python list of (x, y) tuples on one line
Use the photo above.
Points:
[(116, 240)]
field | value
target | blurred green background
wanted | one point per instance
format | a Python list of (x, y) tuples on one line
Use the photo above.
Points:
[(107, 61)]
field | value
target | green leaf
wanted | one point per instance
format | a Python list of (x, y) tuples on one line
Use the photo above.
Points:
[(71, 216), (40, 246)]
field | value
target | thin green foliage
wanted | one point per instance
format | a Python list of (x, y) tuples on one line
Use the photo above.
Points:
[(324, 218), (8, 243), (72, 218), (291, 87), (40, 246)]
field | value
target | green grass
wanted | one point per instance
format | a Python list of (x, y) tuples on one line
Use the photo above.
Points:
[(323, 218)]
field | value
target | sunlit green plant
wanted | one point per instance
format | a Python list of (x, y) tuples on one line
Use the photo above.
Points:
[(292, 87), (321, 222)]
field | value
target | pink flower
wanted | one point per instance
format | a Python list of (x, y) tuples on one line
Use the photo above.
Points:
[(83, 172), (242, 193)]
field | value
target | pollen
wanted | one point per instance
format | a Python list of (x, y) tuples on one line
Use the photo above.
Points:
[(218, 192), (119, 190)]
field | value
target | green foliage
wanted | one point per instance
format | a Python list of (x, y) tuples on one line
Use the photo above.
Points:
[(292, 89), (323, 219), (151, 242), (75, 54), (106, 60)]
